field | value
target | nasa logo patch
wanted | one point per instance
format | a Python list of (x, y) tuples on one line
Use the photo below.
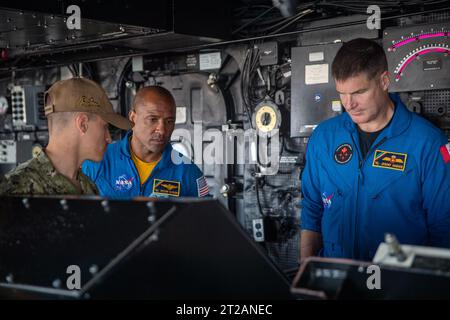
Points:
[(123, 183)]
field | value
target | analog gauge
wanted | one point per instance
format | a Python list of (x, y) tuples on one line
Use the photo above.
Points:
[(267, 117), (418, 56)]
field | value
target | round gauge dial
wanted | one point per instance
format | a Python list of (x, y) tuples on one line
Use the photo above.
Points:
[(267, 117)]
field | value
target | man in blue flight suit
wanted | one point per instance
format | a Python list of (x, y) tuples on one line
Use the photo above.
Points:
[(377, 168), (144, 163)]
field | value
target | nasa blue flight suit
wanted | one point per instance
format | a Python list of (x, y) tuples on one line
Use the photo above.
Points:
[(116, 175), (402, 186)]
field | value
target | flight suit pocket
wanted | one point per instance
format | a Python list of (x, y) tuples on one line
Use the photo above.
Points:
[(387, 180), (397, 204), (395, 186)]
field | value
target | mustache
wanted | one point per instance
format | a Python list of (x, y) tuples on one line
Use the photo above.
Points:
[(157, 137)]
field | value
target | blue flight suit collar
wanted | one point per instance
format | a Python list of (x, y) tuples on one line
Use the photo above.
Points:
[(125, 150), (400, 122)]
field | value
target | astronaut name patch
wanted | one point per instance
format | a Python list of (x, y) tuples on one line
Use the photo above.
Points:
[(343, 153), (389, 160), (166, 187)]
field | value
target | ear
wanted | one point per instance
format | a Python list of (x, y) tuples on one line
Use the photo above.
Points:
[(132, 115), (82, 122), (385, 80)]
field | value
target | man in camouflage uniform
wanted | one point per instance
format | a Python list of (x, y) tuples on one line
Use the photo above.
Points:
[(38, 176), (78, 112)]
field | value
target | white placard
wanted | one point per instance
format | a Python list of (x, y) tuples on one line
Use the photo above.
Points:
[(316, 56), (316, 73), (287, 74), (336, 106), (180, 115), (210, 61), (288, 159)]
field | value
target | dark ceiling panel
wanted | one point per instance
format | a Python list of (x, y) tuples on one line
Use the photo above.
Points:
[(37, 32)]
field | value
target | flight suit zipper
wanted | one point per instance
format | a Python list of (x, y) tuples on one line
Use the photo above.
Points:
[(152, 174), (142, 186), (136, 174), (361, 163)]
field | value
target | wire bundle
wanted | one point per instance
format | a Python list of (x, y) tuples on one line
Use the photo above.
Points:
[(253, 20)]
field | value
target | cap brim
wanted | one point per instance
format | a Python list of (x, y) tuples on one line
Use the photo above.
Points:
[(116, 120)]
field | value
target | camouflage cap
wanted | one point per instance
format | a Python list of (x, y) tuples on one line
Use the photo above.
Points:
[(82, 95)]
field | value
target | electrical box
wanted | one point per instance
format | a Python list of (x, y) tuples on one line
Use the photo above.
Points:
[(314, 95)]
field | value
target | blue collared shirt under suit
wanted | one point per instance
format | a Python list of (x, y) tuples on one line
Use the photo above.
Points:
[(116, 175), (402, 186)]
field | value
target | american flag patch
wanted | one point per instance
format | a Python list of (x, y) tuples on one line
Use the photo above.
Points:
[(202, 187), (445, 151)]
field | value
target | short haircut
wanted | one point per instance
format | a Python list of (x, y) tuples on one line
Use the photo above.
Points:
[(145, 92), (359, 56), (59, 120)]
